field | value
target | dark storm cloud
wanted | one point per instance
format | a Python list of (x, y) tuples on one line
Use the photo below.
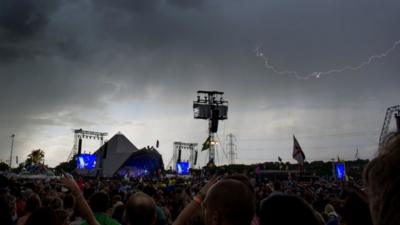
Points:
[(61, 58), (20, 22), (186, 4), (21, 19), (133, 5), (143, 6), (172, 47), (168, 46)]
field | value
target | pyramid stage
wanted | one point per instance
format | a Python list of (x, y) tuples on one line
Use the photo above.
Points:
[(118, 157)]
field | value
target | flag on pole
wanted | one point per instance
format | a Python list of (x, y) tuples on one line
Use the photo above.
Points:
[(157, 143), (298, 153), (206, 144)]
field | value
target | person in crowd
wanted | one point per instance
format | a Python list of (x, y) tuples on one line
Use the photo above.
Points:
[(99, 203), (69, 207), (33, 203), (7, 209), (42, 216), (277, 187), (140, 210), (118, 213), (283, 209), (382, 177), (355, 210), (83, 206), (69, 202), (117, 201), (227, 202), (231, 200), (331, 215), (62, 217), (56, 203), (153, 193)]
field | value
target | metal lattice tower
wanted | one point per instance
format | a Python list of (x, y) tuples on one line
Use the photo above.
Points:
[(211, 106), (85, 134), (386, 123), (232, 148)]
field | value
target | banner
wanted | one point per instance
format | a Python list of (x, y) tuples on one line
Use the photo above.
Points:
[(298, 153), (206, 144)]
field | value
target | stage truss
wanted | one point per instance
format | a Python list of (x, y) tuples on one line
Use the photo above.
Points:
[(177, 154), (80, 134)]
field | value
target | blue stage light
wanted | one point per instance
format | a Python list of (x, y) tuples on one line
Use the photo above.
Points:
[(182, 168), (340, 171), (86, 161)]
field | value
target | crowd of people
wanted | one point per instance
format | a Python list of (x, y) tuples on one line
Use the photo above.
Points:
[(226, 199)]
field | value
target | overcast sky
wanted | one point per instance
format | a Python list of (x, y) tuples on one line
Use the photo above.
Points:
[(135, 65)]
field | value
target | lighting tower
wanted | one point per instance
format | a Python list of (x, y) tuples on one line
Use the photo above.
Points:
[(211, 106), (12, 147), (231, 146), (393, 111)]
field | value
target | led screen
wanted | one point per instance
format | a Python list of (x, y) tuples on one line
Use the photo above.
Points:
[(182, 168), (340, 171), (86, 161)]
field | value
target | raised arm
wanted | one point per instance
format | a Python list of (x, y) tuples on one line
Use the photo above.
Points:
[(68, 181), (191, 208)]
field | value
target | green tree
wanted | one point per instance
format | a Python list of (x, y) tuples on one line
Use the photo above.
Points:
[(68, 167), (4, 166), (35, 157)]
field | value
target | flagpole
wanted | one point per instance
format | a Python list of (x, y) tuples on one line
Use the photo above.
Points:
[(12, 146), (357, 156)]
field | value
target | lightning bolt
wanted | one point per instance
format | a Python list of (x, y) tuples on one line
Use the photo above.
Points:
[(317, 75)]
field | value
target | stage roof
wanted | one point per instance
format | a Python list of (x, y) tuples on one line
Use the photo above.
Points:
[(119, 149)]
